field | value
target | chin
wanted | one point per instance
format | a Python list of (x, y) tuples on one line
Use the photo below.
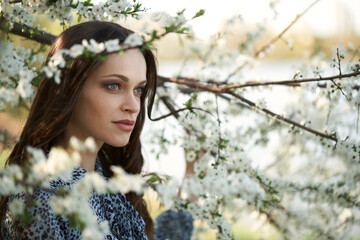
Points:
[(121, 143)]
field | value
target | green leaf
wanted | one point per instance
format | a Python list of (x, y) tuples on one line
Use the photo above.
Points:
[(68, 63), (31, 31), (170, 28), (137, 6), (36, 81), (26, 217), (181, 12), (183, 30), (79, 18), (75, 222), (188, 103), (199, 13), (88, 3), (154, 178), (202, 175)]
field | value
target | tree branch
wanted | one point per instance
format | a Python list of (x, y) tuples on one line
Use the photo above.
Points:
[(195, 83), (39, 36), (250, 104)]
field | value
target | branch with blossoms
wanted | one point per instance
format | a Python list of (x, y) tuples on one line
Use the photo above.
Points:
[(23, 11), (271, 42), (27, 32), (218, 90)]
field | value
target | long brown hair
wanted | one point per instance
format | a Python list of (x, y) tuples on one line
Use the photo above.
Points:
[(54, 103)]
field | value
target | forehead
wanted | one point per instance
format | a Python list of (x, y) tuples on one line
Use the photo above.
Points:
[(130, 64)]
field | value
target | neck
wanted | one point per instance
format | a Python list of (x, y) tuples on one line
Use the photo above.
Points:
[(88, 160)]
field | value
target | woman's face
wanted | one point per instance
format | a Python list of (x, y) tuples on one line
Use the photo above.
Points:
[(110, 100)]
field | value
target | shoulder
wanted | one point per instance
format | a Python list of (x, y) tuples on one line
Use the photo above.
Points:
[(39, 221), (43, 223)]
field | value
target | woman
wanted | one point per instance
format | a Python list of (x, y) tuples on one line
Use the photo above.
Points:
[(103, 100)]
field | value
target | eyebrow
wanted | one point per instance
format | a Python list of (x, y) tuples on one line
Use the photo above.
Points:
[(122, 77)]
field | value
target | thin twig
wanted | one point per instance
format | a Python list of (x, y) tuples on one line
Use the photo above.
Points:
[(219, 35), (339, 60), (329, 112), (272, 41), (338, 87), (179, 110), (219, 125), (357, 121), (291, 82)]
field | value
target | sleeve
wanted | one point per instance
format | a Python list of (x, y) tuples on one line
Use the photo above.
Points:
[(174, 225), (44, 224)]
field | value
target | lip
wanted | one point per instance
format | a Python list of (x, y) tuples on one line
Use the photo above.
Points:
[(125, 124)]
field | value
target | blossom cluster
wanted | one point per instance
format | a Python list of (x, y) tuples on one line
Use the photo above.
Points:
[(65, 10), (217, 180), (58, 60), (15, 74)]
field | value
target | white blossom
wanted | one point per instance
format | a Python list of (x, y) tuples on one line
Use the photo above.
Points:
[(190, 156), (95, 46), (16, 207), (133, 40), (96, 182), (90, 144), (168, 192), (112, 45), (76, 50), (58, 164)]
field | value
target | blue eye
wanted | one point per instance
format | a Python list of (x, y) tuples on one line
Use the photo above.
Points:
[(113, 86), (139, 90)]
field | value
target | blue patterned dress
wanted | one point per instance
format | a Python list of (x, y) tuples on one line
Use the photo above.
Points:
[(125, 222)]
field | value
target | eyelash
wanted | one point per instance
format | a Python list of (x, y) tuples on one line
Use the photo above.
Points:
[(119, 85)]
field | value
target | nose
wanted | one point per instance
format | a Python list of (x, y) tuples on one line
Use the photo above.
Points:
[(130, 103)]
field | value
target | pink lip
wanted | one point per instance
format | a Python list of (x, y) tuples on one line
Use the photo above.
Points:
[(125, 124)]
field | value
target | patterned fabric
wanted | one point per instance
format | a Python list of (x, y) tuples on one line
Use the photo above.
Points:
[(174, 225), (125, 222)]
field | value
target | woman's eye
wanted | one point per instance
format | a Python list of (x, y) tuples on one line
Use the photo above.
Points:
[(113, 86), (139, 91)]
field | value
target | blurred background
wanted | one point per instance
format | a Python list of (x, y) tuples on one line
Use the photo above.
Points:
[(329, 23)]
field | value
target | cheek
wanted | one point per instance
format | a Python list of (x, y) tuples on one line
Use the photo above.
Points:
[(91, 108)]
